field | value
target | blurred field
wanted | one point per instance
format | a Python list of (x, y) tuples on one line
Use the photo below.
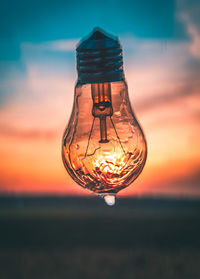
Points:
[(84, 238)]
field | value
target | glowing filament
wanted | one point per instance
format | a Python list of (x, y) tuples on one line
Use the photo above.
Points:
[(111, 163)]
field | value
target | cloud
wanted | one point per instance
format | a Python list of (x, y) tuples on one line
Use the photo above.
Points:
[(27, 134), (183, 91), (195, 45), (59, 45), (194, 33), (182, 187), (188, 14)]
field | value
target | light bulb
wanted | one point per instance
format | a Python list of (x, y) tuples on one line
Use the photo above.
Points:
[(103, 148)]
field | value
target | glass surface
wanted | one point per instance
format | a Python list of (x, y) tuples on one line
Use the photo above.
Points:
[(104, 148)]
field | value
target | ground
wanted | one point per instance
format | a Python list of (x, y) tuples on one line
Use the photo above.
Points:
[(83, 238)]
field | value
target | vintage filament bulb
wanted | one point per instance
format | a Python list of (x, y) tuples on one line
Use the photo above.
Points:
[(103, 148)]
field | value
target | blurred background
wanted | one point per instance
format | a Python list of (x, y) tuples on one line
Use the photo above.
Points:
[(50, 227)]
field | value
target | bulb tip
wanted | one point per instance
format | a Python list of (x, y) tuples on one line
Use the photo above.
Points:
[(97, 34), (109, 199)]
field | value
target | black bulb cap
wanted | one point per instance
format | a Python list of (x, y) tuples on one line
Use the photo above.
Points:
[(99, 58)]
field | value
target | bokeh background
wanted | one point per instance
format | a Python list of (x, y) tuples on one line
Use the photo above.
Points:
[(161, 47)]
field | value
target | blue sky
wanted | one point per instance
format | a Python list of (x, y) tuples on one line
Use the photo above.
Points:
[(39, 21)]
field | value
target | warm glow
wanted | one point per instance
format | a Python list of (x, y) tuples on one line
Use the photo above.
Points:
[(164, 86), (111, 164)]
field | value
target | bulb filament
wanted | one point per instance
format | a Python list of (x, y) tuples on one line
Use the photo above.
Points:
[(102, 108)]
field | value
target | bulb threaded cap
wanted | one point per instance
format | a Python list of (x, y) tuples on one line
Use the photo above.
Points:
[(99, 58)]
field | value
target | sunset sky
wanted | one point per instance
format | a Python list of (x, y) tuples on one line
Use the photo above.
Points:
[(161, 47)]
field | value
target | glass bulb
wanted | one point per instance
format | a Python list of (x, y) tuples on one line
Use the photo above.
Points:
[(103, 148)]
